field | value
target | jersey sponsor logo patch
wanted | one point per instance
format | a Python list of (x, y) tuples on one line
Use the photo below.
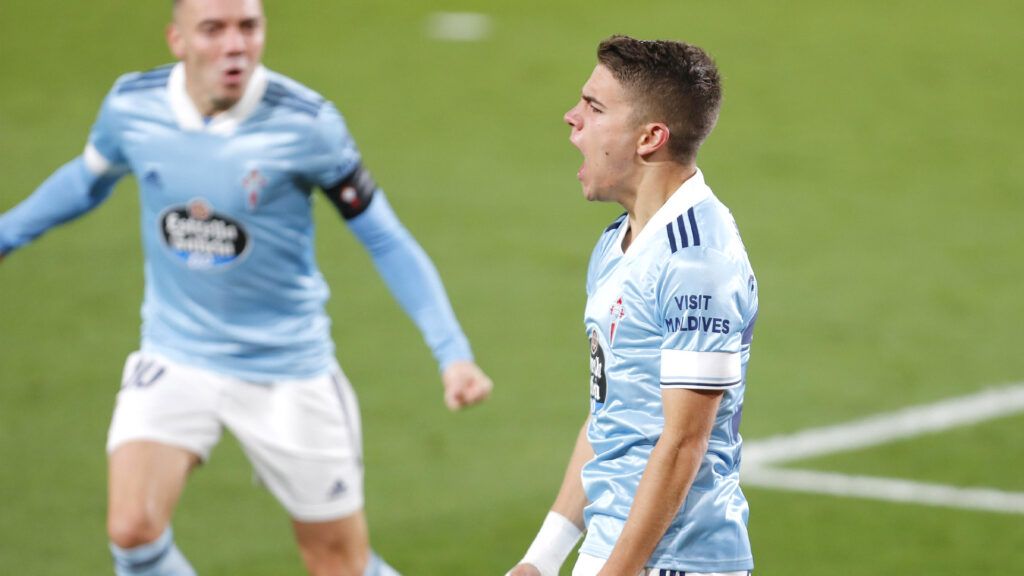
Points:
[(691, 307), (698, 323), (598, 379), (201, 238)]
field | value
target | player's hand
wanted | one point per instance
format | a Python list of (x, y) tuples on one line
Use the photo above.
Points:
[(465, 384), (523, 570)]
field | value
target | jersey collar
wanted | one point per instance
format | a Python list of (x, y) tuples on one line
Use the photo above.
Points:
[(227, 122), (690, 193)]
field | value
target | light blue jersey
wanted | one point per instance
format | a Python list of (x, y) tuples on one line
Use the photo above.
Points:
[(231, 280), (677, 310)]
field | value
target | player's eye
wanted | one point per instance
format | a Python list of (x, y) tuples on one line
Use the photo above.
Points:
[(250, 26), (210, 28)]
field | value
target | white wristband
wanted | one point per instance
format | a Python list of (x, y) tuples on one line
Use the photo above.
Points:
[(555, 540)]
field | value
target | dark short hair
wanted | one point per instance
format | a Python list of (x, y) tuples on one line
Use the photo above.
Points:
[(671, 82)]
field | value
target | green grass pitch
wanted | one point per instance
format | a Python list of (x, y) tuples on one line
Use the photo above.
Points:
[(871, 153)]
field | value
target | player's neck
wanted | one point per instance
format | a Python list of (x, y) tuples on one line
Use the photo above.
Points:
[(654, 189)]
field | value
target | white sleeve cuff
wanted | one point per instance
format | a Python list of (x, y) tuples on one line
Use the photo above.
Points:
[(701, 370)]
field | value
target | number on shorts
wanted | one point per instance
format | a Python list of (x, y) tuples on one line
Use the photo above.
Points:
[(144, 374)]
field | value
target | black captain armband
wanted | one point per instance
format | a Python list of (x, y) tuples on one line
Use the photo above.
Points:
[(352, 196)]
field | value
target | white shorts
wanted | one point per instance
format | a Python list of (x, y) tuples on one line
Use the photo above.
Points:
[(588, 565), (302, 437)]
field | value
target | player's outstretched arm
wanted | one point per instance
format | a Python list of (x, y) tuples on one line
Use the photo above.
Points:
[(689, 417), (68, 193), (563, 525), (413, 280)]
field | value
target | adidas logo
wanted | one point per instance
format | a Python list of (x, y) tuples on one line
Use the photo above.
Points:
[(337, 489), (152, 178)]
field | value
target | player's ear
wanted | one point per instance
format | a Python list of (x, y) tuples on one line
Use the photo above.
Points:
[(175, 41), (653, 137)]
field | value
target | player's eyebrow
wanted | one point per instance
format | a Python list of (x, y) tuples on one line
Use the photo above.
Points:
[(594, 101), (210, 23), (249, 22)]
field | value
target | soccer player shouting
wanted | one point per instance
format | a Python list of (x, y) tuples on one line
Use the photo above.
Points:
[(671, 307), (226, 154)]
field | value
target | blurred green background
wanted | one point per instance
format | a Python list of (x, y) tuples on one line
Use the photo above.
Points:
[(871, 153)]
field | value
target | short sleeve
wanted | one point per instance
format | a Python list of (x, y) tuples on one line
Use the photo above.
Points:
[(702, 302), (335, 155)]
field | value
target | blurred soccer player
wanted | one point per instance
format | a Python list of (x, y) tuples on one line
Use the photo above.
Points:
[(671, 306), (234, 334)]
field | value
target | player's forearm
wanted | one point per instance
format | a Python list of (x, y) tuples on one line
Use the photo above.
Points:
[(563, 525), (412, 279), (571, 499), (68, 193), (670, 472)]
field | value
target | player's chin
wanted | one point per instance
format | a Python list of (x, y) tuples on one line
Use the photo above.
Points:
[(232, 93)]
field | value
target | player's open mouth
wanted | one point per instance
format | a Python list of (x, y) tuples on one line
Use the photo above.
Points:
[(583, 165), (233, 76)]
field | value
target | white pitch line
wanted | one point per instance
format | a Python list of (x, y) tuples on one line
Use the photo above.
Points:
[(889, 489), (883, 428)]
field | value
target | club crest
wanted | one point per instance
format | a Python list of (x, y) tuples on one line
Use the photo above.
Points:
[(253, 183), (618, 312)]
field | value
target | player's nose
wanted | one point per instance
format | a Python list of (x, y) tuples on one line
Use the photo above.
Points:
[(234, 41), (572, 117)]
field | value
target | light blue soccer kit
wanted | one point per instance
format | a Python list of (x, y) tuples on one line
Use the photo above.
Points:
[(231, 281), (677, 310), (232, 285)]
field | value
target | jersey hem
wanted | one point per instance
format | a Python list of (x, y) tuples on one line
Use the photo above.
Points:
[(670, 563), (263, 377)]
